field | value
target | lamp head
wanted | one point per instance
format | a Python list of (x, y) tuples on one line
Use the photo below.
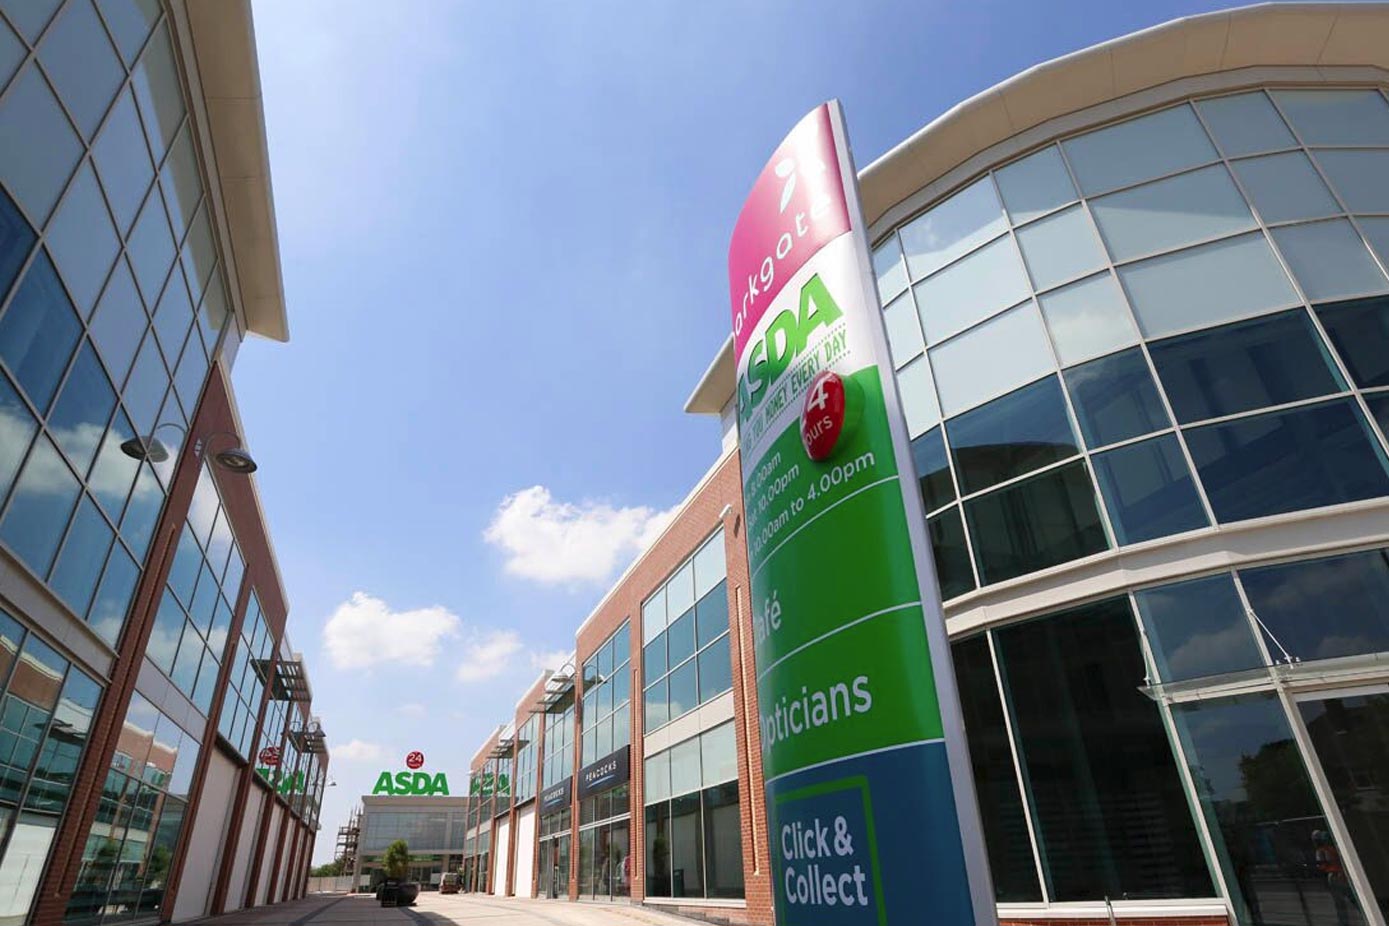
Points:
[(148, 448), (235, 460)]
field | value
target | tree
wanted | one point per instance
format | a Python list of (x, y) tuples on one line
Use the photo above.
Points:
[(330, 870), (396, 861)]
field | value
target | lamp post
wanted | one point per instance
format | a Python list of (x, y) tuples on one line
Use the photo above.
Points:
[(234, 459)]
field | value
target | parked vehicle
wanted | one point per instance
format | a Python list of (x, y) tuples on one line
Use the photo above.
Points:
[(448, 883)]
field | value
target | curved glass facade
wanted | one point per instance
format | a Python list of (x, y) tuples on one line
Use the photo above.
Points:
[(1172, 322)]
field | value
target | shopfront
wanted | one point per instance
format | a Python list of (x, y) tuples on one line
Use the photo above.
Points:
[(556, 821), (605, 828)]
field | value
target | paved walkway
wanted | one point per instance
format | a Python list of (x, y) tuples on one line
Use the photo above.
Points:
[(435, 909)]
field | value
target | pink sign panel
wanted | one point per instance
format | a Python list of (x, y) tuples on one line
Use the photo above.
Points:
[(796, 207)]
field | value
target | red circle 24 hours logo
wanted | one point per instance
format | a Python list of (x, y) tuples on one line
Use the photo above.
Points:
[(415, 759), (822, 416), (270, 755)]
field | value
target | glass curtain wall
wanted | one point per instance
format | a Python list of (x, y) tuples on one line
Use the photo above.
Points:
[(606, 707), (112, 299), (526, 777), (556, 828), (241, 700), (685, 652), (605, 844), (694, 842), (1172, 322)]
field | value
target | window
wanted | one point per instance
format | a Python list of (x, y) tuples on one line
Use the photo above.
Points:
[(1035, 185), (970, 290), (950, 552), (889, 269), (1167, 214), (1013, 435), (1359, 177), (1292, 602), (903, 330), (38, 333), (1115, 399), (1148, 490), (1042, 521), (1379, 407), (1149, 146), (82, 240), (1284, 187), (1111, 814), (40, 146), (918, 392), (123, 161), (607, 684), (682, 667), (1245, 123), (1088, 319), (1197, 629), (242, 696), (1060, 247), (81, 63), (1247, 365), (1286, 461), (1360, 331), (526, 778), (952, 229), (994, 358), (932, 470), (1336, 117), (559, 742), (1329, 259), (694, 843)]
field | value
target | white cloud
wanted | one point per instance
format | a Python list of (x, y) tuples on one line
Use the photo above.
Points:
[(412, 710), (549, 660), (552, 542), (364, 631), (489, 655), (357, 751)]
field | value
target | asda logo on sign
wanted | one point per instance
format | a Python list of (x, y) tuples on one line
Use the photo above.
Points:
[(486, 784), (786, 337), (413, 783)]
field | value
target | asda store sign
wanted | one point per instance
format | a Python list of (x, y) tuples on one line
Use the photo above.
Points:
[(414, 783)]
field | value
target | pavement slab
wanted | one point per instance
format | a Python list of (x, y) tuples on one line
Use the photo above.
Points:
[(434, 909)]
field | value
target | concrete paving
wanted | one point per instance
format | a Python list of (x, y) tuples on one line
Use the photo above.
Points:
[(435, 909)]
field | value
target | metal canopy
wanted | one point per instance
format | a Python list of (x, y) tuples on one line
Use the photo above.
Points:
[(285, 678)]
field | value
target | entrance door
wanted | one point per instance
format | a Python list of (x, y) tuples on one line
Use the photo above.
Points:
[(1350, 734)]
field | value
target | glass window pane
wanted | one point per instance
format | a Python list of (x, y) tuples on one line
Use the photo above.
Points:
[(952, 229), (995, 779), (123, 161), (685, 774), (932, 470), (654, 659), (1197, 629), (680, 639), (992, 359), (1035, 185), (657, 851), (1379, 407), (1329, 259), (84, 553), (684, 695), (622, 640), (1360, 331), (38, 333), (1148, 490), (81, 63), (1359, 176), (1295, 604), (191, 374), (119, 322), (16, 239), (1060, 248), (1248, 365), (1111, 814), (1287, 461), (680, 591), (1336, 117), (718, 750), (114, 471), (43, 500), (82, 241), (29, 16), (40, 146), (17, 428), (971, 290), (657, 709), (137, 526), (657, 780), (145, 389), (183, 187), (12, 52), (1284, 187), (173, 317), (889, 269), (1010, 436), (715, 670), (150, 247), (919, 406), (80, 415), (1149, 146), (903, 331), (1115, 399), (1264, 816), (1042, 521), (951, 555), (711, 614), (155, 80), (113, 596), (1377, 232), (1245, 123), (710, 565), (130, 22), (1170, 213), (199, 255), (1088, 319), (1206, 285)]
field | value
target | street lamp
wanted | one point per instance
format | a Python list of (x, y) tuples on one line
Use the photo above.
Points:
[(234, 459)]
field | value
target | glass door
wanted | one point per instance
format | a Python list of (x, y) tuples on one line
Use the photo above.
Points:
[(1349, 732)]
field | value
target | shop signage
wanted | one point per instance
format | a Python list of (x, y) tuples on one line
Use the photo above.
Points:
[(869, 796), (270, 755), (412, 783), (608, 772), (556, 797), (283, 784), (486, 784)]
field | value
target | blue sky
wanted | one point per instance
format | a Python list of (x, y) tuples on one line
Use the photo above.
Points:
[(503, 229)]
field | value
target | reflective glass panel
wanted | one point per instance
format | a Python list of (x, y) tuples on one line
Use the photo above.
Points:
[(43, 499), (1377, 233), (17, 428), (995, 779), (84, 553), (1197, 629), (1308, 620), (1336, 117), (710, 564), (903, 331), (1329, 260), (889, 269), (38, 332), (81, 63), (932, 470), (1284, 187), (1110, 810), (40, 146), (657, 709), (1245, 123), (155, 80), (686, 847), (1042, 521), (992, 359), (16, 238), (1206, 285), (715, 670), (80, 415), (1270, 834), (1088, 319), (680, 639), (1359, 176), (1012, 435), (29, 16), (144, 390), (1115, 399), (1248, 365), (118, 323), (1379, 407), (123, 161), (918, 392), (653, 615), (950, 552), (1169, 213), (711, 614), (82, 241), (150, 247), (1060, 248), (1287, 461), (952, 229), (113, 472), (182, 186), (12, 52), (130, 22), (1149, 146), (1035, 185), (1148, 490), (971, 290), (113, 595), (684, 689)]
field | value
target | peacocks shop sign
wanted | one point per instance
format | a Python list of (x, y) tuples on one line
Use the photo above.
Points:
[(870, 801), (414, 783)]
